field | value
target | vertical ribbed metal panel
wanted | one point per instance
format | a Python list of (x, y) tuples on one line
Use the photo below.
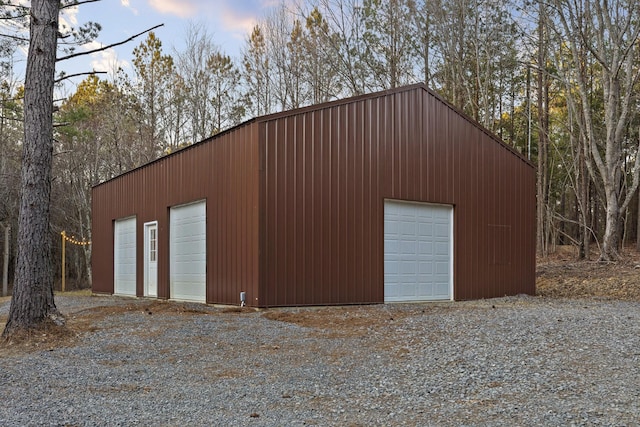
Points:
[(295, 202), (328, 170), (223, 171)]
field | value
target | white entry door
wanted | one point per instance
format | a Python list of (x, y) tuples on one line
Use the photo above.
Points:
[(188, 252), (124, 256), (418, 251), (151, 259)]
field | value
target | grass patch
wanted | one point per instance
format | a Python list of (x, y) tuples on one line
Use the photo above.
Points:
[(75, 293)]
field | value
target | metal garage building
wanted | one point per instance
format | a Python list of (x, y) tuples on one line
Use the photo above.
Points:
[(392, 196)]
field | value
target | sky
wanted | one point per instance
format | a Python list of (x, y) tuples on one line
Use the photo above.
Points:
[(228, 21)]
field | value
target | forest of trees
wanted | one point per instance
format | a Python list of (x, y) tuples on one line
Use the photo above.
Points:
[(556, 79)]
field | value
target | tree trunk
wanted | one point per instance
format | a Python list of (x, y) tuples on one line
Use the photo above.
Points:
[(585, 203), (5, 263), (638, 224), (611, 239), (542, 95), (86, 249), (32, 302)]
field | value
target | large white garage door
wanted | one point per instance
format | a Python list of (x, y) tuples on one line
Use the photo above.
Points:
[(418, 252), (188, 249), (124, 256)]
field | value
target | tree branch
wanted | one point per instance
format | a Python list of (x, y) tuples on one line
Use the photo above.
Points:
[(11, 118), (572, 221), (77, 3), (635, 182), (64, 58), (88, 73), (58, 153), (21, 39), (12, 17)]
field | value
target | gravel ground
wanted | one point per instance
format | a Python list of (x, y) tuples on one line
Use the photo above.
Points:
[(525, 361)]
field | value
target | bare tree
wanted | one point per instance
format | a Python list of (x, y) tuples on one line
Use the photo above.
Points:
[(422, 41), (278, 27), (255, 72), (196, 85), (542, 189), (155, 73), (346, 47), (389, 38), (608, 31), (224, 99), (11, 131), (320, 71)]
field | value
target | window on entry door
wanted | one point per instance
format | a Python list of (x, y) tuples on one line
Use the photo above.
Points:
[(152, 244)]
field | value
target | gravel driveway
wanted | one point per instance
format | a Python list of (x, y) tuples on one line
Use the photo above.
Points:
[(524, 361)]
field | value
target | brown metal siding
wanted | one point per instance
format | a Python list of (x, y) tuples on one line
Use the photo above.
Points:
[(328, 170), (224, 172), (295, 202)]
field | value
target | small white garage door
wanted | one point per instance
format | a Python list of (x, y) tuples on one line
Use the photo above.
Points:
[(418, 252), (187, 251), (124, 256)]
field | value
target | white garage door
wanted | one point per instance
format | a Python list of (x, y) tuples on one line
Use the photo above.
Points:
[(124, 256), (418, 252), (188, 249)]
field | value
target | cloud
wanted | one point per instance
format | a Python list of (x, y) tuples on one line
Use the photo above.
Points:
[(106, 60), (68, 18), (235, 21), (232, 15), (126, 4), (180, 8), (237, 17)]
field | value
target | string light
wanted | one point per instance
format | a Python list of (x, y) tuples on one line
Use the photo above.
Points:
[(74, 241)]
